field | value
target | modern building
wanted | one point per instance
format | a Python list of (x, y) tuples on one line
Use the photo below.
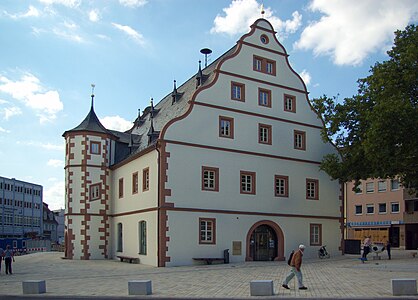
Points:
[(227, 160), (384, 210), (21, 209)]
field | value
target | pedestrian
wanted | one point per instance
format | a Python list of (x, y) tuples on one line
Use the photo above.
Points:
[(388, 248), (1, 256), (8, 257), (296, 263), (366, 248)]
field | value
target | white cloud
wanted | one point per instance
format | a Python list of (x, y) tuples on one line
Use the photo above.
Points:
[(9, 112), (68, 35), (32, 12), (94, 15), (132, 33), (133, 3), (306, 77), (30, 91), (349, 32), (56, 163), (242, 13), (4, 130), (54, 194), (103, 37), (116, 123), (68, 3)]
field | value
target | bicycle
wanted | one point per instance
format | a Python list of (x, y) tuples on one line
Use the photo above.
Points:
[(323, 253)]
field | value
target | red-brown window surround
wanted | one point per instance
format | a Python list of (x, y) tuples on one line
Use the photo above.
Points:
[(223, 133), (237, 86), (311, 234), (263, 64), (267, 94), (292, 99), (206, 186), (207, 231), (264, 128), (135, 183), (120, 187), (285, 180), (299, 140), (244, 184), (312, 184), (95, 147), (145, 179)]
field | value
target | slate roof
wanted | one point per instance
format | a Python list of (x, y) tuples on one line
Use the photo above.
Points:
[(153, 119), (90, 123)]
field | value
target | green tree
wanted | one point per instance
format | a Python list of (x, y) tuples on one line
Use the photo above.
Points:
[(376, 131)]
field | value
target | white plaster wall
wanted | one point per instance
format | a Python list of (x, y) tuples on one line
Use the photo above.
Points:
[(76, 150), (202, 127), (255, 38), (187, 192), (131, 237), (143, 199), (184, 232), (95, 242), (95, 159), (76, 189), (76, 227), (220, 94), (130, 207)]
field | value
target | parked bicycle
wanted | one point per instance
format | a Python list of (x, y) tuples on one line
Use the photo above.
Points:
[(323, 253)]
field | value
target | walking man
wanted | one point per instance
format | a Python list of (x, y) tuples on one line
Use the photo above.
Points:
[(296, 263), (366, 248), (8, 256)]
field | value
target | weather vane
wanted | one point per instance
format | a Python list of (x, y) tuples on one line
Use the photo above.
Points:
[(92, 93)]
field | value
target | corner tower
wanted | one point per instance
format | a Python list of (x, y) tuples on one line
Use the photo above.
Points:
[(87, 193)]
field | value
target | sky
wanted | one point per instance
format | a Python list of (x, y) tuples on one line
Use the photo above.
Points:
[(51, 51)]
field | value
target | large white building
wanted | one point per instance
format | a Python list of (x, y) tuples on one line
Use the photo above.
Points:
[(228, 160)]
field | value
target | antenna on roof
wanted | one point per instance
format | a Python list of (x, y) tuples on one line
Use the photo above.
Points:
[(92, 94), (206, 52)]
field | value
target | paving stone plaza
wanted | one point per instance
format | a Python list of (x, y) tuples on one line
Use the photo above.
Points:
[(337, 277)]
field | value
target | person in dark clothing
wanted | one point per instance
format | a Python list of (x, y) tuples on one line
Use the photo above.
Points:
[(366, 248), (388, 248), (8, 257)]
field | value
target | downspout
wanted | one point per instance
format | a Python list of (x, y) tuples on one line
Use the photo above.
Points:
[(157, 147)]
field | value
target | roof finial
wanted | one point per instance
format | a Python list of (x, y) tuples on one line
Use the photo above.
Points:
[(92, 94), (262, 10)]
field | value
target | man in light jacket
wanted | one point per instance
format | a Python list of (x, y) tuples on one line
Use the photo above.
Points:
[(296, 263)]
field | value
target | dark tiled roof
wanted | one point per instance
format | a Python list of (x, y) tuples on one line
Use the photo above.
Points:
[(90, 123), (144, 133), (167, 109)]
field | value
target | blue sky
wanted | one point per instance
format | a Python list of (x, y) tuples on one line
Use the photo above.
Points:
[(51, 51)]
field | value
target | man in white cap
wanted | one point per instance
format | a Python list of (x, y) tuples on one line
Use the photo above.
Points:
[(296, 263)]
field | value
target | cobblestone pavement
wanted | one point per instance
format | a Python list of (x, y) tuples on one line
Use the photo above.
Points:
[(338, 277)]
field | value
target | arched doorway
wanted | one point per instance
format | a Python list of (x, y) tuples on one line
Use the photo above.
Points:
[(265, 242)]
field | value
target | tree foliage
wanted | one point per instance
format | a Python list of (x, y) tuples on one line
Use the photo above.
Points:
[(376, 131)]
